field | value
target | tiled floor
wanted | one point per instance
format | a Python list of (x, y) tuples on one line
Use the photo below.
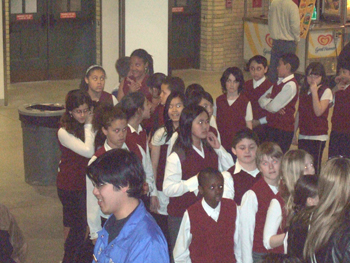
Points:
[(37, 208)]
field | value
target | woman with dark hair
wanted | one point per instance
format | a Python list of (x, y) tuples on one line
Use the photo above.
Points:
[(314, 102), (234, 111), (195, 149), (76, 140), (141, 67)]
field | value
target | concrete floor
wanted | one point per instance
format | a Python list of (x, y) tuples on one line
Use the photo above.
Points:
[(37, 209)]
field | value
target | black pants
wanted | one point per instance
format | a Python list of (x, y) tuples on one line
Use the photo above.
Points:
[(282, 138), (339, 144), (261, 132), (74, 217), (315, 148)]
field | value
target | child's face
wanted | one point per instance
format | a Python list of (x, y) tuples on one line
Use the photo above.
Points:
[(212, 190), (312, 201), (137, 67), (96, 81), (313, 78), (200, 126), (257, 71), (245, 151), (154, 92), (80, 114), (175, 108), (116, 133), (283, 70), (164, 93), (146, 112), (309, 165), (208, 106), (231, 84), (109, 198), (345, 74), (270, 169)]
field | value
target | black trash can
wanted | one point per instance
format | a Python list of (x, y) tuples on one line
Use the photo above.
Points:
[(41, 151)]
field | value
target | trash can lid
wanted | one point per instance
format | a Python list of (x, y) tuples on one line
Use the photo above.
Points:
[(42, 109)]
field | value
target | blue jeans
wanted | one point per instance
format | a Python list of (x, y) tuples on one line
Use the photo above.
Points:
[(279, 48)]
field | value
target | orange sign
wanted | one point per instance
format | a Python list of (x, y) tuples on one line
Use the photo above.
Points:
[(24, 17), (177, 9), (68, 15)]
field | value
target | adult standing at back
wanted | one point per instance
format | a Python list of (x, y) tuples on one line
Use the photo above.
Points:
[(284, 28)]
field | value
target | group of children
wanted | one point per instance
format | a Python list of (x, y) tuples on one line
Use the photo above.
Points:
[(207, 206)]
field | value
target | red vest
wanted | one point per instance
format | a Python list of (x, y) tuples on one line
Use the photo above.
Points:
[(191, 165), (230, 119), (144, 88), (341, 111), (72, 170), (264, 196), (105, 99), (100, 151), (212, 241), (283, 122), (133, 140), (254, 95), (242, 183), (161, 167), (309, 123)]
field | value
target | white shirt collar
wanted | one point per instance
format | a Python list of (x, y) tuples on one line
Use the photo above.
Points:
[(133, 130), (259, 82), (200, 152), (211, 212), (238, 168), (107, 147), (280, 80)]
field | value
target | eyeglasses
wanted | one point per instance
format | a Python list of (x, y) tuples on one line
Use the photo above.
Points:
[(81, 111)]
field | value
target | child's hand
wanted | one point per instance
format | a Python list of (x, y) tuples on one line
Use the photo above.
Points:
[(255, 123), (154, 205), (134, 85), (282, 111), (145, 188), (213, 141), (313, 87), (90, 116)]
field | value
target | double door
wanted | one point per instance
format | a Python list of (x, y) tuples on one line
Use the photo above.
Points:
[(51, 39)]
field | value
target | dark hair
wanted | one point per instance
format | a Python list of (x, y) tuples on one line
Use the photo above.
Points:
[(197, 96), (237, 73), (193, 87), (183, 143), (245, 133), (208, 173), (120, 168), (345, 64), (258, 59), (147, 58), (314, 68), (174, 84), (74, 99), (103, 117), (292, 60), (156, 80), (168, 123), (131, 102), (83, 85), (280, 258), (123, 66), (305, 187)]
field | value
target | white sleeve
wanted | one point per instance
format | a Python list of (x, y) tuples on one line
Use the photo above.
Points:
[(285, 243), (229, 189), (173, 184), (147, 166), (263, 101), (287, 93), (158, 139), (115, 101), (327, 95), (236, 238), (181, 251), (85, 149), (273, 222), (248, 210), (225, 159), (249, 112)]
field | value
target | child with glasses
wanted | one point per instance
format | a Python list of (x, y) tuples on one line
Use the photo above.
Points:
[(311, 118)]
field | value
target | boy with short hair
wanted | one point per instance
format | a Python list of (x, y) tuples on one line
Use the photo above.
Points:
[(209, 228), (130, 233), (245, 172), (256, 201), (254, 89), (279, 101)]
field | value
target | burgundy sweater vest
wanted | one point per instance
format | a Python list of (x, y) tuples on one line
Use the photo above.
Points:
[(100, 151), (133, 140), (212, 241), (283, 122), (105, 99), (161, 167), (309, 123), (264, 196), (341, 111), (242, 183), (254, 95), (72, 170), (230, 119), (144, 88), (191, 165)]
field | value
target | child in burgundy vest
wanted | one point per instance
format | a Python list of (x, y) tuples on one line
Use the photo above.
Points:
[(254, 89), (279, 101), (311, 119), (245, 172), (209, 228), (195, 149), (255, 202), (234, 110), (339, 143)]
